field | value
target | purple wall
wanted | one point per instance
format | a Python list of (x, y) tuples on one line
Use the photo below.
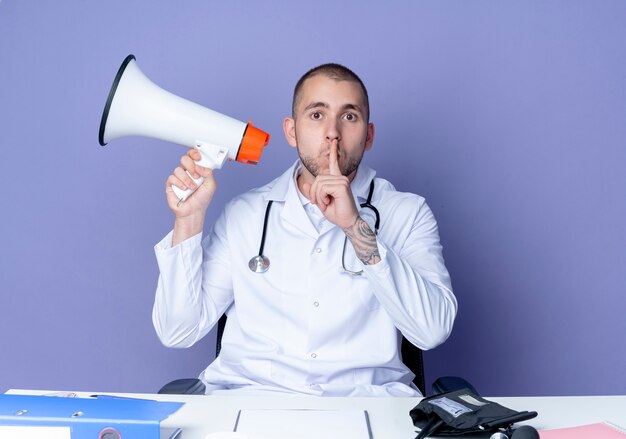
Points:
[(509, 117)]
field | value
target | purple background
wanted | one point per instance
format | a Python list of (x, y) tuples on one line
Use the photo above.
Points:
[(509, 117)]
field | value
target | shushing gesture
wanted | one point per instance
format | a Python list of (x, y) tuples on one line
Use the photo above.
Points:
[(332, 194)]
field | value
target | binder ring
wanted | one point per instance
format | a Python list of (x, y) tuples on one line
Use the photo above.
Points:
[(109, 433)]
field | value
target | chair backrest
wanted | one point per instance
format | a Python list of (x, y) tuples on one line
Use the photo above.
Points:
[(411, 356)]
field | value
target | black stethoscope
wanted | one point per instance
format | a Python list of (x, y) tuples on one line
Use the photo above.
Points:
[(261, 263)]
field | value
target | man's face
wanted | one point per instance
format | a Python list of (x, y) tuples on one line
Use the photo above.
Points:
[(329, 110)]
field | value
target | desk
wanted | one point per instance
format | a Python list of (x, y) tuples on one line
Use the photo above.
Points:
[(389, 417)]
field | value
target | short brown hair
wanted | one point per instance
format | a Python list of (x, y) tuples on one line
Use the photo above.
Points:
[(332, 71)]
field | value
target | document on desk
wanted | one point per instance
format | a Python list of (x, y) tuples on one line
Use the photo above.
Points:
[(304, 424), (600, 430)]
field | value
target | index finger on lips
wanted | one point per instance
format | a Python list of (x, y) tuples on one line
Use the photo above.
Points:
[(333, 161)]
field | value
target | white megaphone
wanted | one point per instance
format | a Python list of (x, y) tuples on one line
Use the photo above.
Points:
[(138, 107)]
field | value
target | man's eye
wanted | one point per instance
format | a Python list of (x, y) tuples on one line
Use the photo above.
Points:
[(317, 115), (350, 117)]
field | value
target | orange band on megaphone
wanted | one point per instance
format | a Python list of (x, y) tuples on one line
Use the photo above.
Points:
[(252, 144)]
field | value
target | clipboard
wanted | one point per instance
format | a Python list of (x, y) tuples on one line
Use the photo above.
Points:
[(304, 424)]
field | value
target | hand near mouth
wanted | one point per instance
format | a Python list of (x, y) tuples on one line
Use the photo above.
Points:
[(332, 194), (333, 159)]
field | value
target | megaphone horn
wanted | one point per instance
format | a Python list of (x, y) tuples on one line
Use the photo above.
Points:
[(138, 107)]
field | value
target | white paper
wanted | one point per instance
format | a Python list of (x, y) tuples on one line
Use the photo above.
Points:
[(304, 424), (30, 432)]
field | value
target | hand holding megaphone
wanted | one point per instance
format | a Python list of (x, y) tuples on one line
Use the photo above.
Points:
[(138, 107), (190, 177), (211, 157)]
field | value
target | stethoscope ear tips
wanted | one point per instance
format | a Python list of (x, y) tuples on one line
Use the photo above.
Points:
[(259, 264)]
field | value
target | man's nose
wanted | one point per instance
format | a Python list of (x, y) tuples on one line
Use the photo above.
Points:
[(332, 131)]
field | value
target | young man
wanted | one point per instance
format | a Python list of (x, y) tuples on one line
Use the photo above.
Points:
[(326, 316)]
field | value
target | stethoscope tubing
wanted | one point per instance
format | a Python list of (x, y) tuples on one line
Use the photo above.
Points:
[(260, 263), (264, 234)]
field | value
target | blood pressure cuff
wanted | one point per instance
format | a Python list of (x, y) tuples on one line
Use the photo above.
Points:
[(461, 412)]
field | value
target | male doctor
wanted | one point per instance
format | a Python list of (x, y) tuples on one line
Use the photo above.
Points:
[(326, 317)]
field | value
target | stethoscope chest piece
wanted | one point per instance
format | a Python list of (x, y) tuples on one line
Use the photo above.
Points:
[(259, 264)]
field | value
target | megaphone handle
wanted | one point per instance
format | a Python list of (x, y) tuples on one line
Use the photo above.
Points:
[(182, 195), (212, 157)]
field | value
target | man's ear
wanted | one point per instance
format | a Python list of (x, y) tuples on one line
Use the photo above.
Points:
[(289, 128), (369, 140)]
